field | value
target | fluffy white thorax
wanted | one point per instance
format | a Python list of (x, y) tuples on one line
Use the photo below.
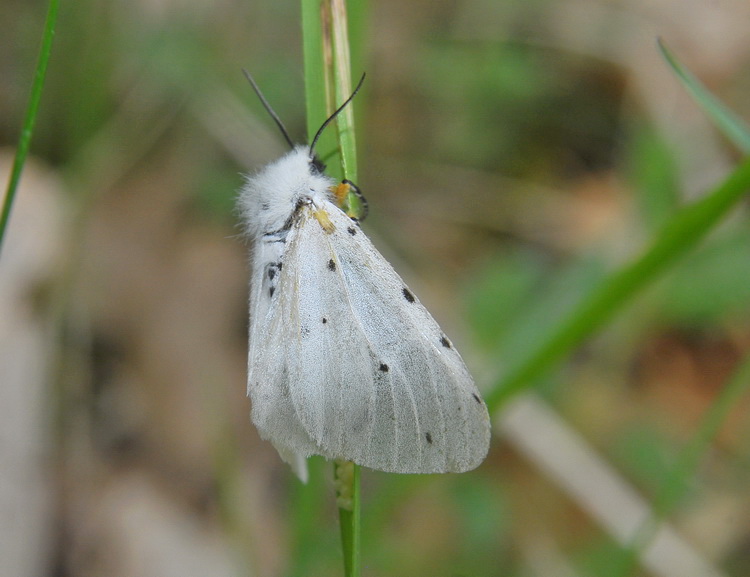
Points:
[(270, 196)]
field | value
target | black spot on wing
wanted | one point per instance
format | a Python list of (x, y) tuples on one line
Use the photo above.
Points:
[(272, 272), (445, 342), (325, 320), (331, 265), (476, 398), (351, 230), (383, 368), (428, 438), (407, 295)]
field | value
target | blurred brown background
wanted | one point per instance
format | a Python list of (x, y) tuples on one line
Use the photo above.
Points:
[(512, 154)]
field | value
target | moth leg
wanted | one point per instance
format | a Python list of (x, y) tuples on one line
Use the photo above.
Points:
[(342, 192)]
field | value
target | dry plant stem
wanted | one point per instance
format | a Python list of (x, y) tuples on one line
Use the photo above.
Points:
[(566, 458), (676, 483)]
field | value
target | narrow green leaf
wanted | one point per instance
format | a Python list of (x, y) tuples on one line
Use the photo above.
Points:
[(679, 234), (731, 125), (24, 141)]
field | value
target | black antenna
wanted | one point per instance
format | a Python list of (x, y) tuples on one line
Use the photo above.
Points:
[(271, 111), (334, 115)]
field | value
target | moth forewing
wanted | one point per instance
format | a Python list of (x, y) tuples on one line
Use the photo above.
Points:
[(344, 361), (371, 376)]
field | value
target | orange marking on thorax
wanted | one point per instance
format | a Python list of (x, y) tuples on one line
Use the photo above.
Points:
[(341, 191)]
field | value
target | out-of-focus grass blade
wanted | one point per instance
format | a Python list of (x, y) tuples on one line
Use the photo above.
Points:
[(731, 125), (676, 237), (681, 233), (676, 483), (24, 141)]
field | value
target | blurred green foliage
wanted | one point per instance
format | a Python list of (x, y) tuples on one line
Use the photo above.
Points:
[(132, 97)]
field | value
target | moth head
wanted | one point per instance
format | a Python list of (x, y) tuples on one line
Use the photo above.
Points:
[(272, 198), (317, 166)]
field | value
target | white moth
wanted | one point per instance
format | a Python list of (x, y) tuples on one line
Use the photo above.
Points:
[(344, 360)]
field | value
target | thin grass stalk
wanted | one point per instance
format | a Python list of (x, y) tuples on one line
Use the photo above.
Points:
[(24, 140), (328, 83)]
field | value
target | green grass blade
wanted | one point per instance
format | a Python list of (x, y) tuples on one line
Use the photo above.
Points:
[(676, 483), (346, 475), (24, 142), (679, 235), (326, 57), (342, 81), (316, 86), (731, 125), (349, 506)]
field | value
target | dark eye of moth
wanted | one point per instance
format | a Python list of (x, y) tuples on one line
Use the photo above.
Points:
[(351, 230), (317, 166), (445, 342), (407, 295)]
